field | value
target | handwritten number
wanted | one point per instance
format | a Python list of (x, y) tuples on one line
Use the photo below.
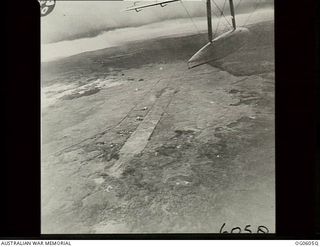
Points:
[(260, 229), (222, 228), (50, 3), (263, 229), (247, 228), (44, 10), (236, 228)]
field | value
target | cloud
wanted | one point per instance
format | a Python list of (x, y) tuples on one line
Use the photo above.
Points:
[(72, 20), (119, 36)]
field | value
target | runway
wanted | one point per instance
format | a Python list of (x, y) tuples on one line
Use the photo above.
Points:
[(156, 147)]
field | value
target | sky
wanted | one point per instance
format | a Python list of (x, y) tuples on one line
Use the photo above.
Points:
[(78, 19), (78, 26)]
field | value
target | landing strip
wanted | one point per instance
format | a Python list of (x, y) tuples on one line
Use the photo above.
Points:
[(156, 147)]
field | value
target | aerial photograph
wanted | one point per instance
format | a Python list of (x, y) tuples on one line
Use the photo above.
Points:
[(157, 116)]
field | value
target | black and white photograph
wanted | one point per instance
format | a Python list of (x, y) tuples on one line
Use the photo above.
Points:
[(157, 116)]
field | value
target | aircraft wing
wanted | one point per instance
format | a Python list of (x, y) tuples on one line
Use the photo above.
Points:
[(138, 8)]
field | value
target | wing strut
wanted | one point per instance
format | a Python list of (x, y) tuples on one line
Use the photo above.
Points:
[(232, 14), (209, 20)]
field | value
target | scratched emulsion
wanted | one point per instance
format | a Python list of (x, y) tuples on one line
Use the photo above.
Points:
[(157, 147)]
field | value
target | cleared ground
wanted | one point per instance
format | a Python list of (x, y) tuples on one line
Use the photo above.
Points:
[(133, 141)]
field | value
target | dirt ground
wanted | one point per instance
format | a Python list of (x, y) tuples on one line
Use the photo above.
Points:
[(154, 147)]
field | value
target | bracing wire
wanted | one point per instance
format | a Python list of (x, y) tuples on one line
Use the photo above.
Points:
[(213, 10), (221, 12), (217, 27), (255, 8), (193, 23), (238, 4)]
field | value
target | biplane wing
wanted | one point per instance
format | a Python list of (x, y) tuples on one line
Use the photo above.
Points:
[(218, 47), (138, 8)]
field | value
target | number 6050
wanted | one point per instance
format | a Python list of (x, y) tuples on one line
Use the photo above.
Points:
[(246, 229)]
